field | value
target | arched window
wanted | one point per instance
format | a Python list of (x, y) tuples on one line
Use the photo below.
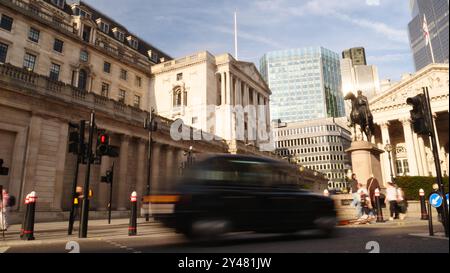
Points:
[(82, 80), (177, 97)]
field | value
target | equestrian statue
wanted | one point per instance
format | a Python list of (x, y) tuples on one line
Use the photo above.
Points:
[(361, 114)]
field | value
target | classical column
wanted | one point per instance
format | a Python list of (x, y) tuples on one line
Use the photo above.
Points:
[(385, 140), (238, 95), (156, 166), (420, 164), (228, 88), (141, 176), (169, 168), (407, 131), (423, 156), (103, 188), (223, 87), (122, 185), (180, 160), (60, 165)]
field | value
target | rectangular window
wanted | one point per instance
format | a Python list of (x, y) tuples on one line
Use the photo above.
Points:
[(138, 81), (179, 76), (104, 27), (33, 35), (105, 90), (6, 22), (58, 46), (123, 74), (29, 61), (54, 71), (3, 52), (86, 34), (84, 56), (122, 96), (137, 101), (106, 67)]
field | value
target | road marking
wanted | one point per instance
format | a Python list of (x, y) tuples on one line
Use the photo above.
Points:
[(3, 249), (439, 236)]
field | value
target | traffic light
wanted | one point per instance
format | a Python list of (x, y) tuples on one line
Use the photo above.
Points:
[(3, 170), (150, 122), (108, 178), (76, 139), (419, 115), (103, 147)]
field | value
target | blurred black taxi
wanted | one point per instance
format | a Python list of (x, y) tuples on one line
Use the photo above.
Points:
[(233, 193)]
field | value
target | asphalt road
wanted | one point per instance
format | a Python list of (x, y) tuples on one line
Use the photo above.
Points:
[(361, 239)]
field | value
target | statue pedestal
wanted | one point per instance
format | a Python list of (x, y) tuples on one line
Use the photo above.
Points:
[(365, 161)]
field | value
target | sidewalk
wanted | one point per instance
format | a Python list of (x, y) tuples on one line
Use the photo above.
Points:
[(50, 233), (409, 221)]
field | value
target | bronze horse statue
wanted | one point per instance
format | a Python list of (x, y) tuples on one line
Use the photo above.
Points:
[(361, 114)]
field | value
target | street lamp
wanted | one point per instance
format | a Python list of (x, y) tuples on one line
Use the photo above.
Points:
[(389, 148)]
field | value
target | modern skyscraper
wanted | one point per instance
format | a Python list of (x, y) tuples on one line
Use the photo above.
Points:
[(305, 83), (436, 13), (356, 54)]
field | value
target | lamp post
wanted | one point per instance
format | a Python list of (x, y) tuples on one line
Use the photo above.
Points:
[(388, 148)]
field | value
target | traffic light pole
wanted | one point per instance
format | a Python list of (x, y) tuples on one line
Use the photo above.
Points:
[(110, 195), (149, 157), (85, 205), (437, 161), (75, 179)]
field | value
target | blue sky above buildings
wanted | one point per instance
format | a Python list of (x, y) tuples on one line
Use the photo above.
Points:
[(182, 27)]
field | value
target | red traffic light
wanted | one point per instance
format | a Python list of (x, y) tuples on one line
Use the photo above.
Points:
[(103, 139)]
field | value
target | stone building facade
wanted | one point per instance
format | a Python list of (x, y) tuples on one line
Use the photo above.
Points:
[(58, 63), (412, 154)]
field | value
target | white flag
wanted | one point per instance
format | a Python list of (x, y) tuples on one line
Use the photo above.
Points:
[(426, 32)]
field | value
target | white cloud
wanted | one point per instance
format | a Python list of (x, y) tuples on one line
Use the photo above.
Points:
[(373, 2), (389, 58)]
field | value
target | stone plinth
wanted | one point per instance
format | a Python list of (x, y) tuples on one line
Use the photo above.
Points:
[(365, 160)]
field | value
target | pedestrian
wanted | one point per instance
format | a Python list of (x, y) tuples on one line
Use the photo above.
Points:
[(402, 203), (372, 185), (356, 197), (365, 202), (4, 210), (391, 198)]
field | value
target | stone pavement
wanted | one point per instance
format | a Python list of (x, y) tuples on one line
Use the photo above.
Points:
[(50, 233)]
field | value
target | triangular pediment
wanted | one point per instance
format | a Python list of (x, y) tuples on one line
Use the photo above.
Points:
[(250, 70), (396, 95)]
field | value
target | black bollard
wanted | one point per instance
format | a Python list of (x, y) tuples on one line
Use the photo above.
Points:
[(28, 233), (26, 216), (430, 220), (379, 208), (132, 229), (423, 207)]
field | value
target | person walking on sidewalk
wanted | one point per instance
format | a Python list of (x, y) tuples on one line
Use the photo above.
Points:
[(4, 211), (402, 203), (366, 206), (391, 198), (356, 197), (372, 185)]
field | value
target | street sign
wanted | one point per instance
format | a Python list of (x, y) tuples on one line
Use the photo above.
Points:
[(436, 200)]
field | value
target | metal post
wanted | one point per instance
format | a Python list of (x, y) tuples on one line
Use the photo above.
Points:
[(437, 162), (85, 205), (423, 208), (430, 219), (75, 179), (150, 127), (110, 194), (2, 224), (132, 228)]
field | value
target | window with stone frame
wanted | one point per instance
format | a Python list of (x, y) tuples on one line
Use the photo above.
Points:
[(3, 52), (29, 61), (122, 96), (137, 101), (107, 67), (177, 97), (84, 56), (123, 74), (138, 81), (55, 70), (6, 22), (58, 45), (105, 90), (33, 35)]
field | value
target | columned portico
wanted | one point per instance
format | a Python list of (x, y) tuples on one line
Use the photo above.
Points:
[(411, 152), (122, 187)]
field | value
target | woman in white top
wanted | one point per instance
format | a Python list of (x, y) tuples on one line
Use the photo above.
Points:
[(391, 198)]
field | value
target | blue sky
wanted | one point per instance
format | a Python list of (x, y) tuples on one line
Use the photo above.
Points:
[(182, 27)]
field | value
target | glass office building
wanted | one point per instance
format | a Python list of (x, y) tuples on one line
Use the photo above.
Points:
[(436, 12), (305, 84)]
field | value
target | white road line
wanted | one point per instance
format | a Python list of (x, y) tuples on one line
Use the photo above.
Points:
[(426, 235), (3, 249)]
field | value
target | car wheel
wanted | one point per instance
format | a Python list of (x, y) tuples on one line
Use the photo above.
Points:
[(207, 230), (326, 226)]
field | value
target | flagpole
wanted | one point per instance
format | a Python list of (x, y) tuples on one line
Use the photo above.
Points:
[(428, 38), (235, 36)]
